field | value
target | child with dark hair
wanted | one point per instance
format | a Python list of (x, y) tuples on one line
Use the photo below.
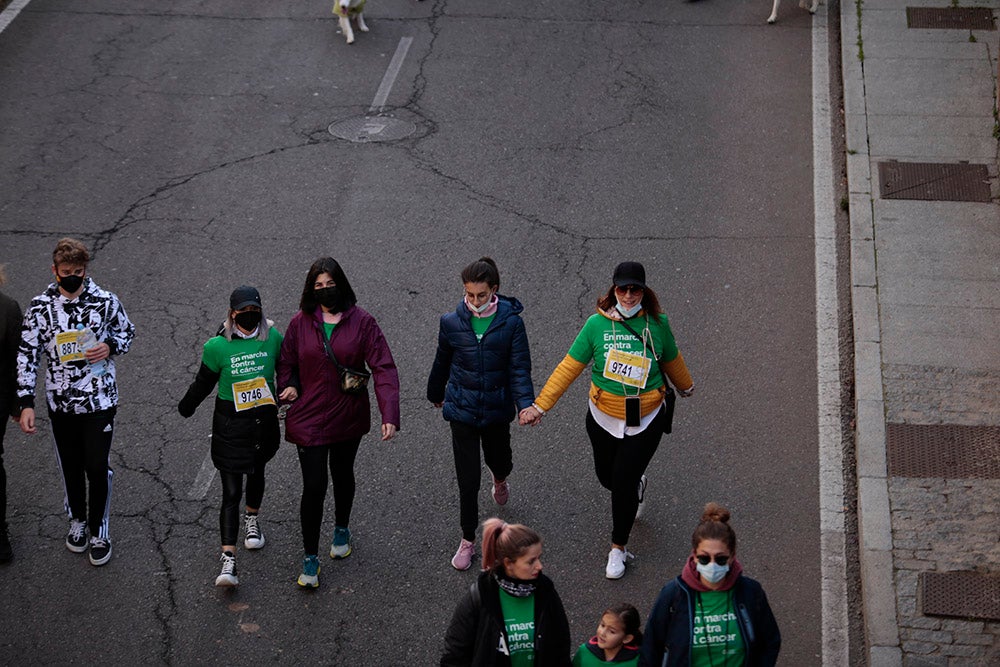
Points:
[(512, 614), (617, 641), (481, 377)]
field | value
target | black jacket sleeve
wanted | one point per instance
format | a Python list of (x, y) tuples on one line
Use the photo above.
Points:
[(557, 641), (460, 640), (10, 338), (768, 637), (204, 383)]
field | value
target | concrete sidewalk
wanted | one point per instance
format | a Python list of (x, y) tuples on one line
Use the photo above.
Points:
[(926, 304)]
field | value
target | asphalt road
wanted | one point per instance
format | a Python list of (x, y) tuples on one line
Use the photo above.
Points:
[(187, 143)]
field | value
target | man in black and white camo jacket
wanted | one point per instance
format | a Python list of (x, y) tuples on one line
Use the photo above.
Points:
[(82, 397)]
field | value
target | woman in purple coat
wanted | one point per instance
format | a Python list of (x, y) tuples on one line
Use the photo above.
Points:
[(329, 336)]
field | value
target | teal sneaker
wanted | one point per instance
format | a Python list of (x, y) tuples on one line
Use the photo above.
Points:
[(310, 572), (341, 547)]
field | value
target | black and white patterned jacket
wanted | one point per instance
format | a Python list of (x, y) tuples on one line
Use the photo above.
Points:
[(69, 385)]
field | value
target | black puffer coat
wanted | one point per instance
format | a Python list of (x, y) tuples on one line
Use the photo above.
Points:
[(241, 441), (487, 381), (474, 635)]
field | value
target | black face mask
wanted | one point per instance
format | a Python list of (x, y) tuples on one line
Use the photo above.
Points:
[(70, 283), (331, 298), (248, 320)]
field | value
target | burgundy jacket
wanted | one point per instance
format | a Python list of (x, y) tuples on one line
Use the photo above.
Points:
[(323, 414)]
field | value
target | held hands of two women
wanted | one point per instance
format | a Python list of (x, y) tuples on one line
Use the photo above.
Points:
[(529, 416)]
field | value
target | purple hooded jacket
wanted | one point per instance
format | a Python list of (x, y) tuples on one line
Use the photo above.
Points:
[(323, 414)]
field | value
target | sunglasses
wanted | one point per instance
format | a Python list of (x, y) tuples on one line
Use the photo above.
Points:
[(633, 289), (705, 559)]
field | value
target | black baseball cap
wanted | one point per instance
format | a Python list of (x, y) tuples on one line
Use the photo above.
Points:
[(244, 296), (629, 273)]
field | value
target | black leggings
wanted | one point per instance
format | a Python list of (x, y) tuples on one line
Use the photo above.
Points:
[(232, 493), (619, 464), (339, 456), (83, 445), (465, 443)]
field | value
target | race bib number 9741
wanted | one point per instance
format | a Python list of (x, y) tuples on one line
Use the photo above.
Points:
[(627, 368)]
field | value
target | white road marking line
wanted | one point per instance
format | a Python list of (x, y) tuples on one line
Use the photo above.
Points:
[(833, 574), (203, 480), (396, 64), (13, 9)]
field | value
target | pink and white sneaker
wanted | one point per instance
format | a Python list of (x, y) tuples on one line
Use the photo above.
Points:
[(462, 560)]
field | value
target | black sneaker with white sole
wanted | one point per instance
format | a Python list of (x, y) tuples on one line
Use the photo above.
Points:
[(227, 577), (100, 551), (76, 538)]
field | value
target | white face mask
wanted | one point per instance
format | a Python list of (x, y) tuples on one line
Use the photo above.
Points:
[(628, 312), (713, 572), (480, 309)]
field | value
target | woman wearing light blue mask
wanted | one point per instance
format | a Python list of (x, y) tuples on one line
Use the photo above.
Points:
[(633, 351), (711, 615)]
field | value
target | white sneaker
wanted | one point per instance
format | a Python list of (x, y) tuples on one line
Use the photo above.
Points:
[(616, 563), (642, 496)]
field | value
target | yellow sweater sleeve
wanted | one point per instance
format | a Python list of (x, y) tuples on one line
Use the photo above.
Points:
[(562, 377), (677, 371)]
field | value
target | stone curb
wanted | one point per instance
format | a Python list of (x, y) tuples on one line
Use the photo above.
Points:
[(874, 521)]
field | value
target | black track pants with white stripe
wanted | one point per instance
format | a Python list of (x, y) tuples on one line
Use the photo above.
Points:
[(83, 447)]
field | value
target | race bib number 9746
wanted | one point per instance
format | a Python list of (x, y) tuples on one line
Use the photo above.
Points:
[(251, 394)]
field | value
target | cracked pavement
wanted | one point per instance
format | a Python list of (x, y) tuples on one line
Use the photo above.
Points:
[(187, 144)]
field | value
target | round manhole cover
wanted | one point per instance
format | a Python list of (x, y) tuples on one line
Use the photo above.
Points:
[(372, 128)]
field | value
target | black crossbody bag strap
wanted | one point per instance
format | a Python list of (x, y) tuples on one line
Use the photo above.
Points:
[(329, 351), (669, 397)]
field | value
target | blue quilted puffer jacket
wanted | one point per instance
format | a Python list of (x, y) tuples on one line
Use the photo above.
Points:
[(482, 382)]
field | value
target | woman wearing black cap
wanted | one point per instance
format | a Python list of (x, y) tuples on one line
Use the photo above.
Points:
[(241, 359), (633, 352)]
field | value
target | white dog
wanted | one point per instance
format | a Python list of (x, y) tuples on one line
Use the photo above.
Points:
[(774, 12), (347, 10)]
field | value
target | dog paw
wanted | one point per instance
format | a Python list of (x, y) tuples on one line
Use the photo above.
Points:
[(772, 18), (363, 28)]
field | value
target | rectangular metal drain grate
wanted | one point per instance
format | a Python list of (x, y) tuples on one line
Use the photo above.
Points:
[(965, 594), (955, 18), (943, 450), (934, 181)]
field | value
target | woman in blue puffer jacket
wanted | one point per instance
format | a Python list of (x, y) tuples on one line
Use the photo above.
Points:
[(482, 378)]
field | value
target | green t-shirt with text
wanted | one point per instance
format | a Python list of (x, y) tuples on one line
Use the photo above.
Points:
[(242, 359), (599, 334), (716, 640), (519, 622)]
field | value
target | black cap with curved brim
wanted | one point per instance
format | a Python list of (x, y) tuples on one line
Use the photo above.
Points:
[(244, 296), (629, 273)]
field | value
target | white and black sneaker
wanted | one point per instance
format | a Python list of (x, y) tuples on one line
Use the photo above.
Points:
[(617, 558), (227, 577), (100, 551), (254, 538), (76, 538)]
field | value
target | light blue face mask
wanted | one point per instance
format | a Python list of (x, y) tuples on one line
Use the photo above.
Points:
[(713, 572), (628, 312)]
